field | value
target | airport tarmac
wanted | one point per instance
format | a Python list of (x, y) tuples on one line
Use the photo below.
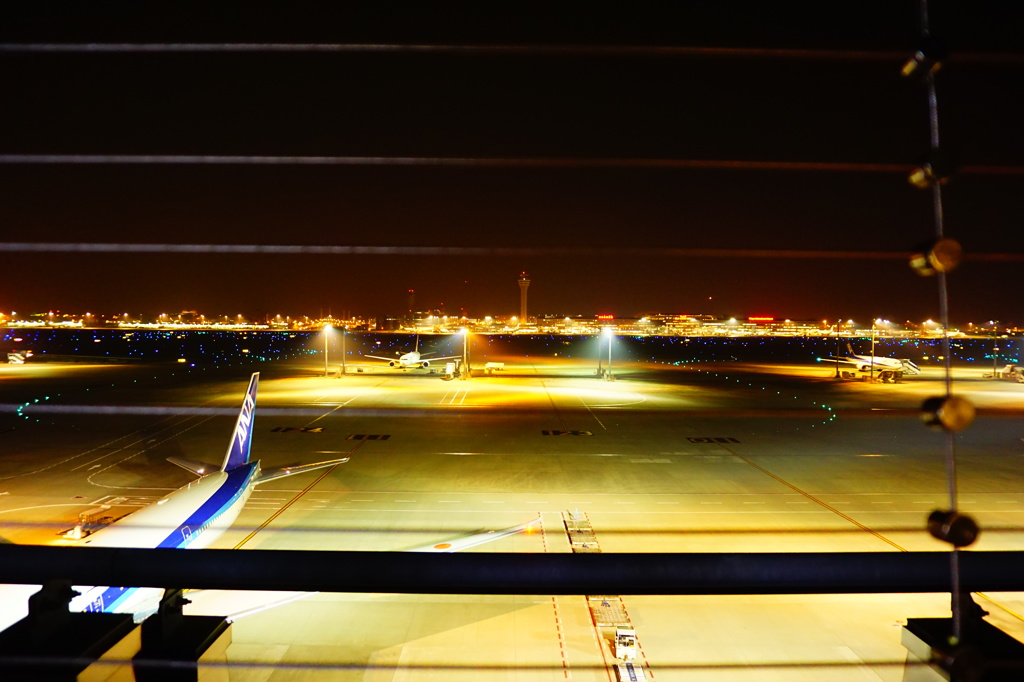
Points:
[(712, 457)]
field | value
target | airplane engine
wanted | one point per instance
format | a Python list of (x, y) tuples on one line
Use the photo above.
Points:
[(425, 364), (393, 363)]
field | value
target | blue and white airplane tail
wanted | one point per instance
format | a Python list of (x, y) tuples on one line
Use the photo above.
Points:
[(195, 515), (241, 439)]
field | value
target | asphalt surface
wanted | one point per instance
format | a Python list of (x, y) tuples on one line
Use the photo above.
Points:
[(711, 457)]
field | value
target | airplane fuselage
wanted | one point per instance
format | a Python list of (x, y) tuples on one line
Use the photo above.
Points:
[(409, 361), (192, 517), (866, 362)]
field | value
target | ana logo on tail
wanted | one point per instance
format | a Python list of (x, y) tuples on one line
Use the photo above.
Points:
[(238, 450)]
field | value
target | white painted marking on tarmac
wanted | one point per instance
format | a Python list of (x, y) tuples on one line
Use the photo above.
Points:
[(802, 502), (606, 512), (639, 398)]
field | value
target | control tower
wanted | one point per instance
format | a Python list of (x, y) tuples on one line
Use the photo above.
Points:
[(524, 284)]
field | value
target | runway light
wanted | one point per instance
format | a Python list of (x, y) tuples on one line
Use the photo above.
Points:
[(948, 412)]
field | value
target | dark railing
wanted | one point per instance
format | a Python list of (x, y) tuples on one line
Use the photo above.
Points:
[(498, 573)]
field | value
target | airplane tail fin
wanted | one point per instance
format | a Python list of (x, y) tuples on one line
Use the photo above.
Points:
[(241, 439)]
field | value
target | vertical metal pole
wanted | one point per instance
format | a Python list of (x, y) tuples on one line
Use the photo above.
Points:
[(837, 350), (872, 364), (343, 330), (995, 354), (326, 337), (610, 337), (951, 475)]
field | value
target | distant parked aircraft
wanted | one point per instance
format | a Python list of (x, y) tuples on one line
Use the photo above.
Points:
[(413, 359), (887, 369)]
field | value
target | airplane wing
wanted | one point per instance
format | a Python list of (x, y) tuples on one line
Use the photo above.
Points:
[(237, 604), (865, 363), (475, 539), (377, 357), (203, 468), (271, 474), (242, 604), (196, 467), (841, 361)]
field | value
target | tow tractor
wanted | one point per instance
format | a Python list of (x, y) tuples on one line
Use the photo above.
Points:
[(452, 370), (625, 651)]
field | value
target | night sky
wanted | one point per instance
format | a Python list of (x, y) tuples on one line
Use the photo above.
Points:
[(602, 213)]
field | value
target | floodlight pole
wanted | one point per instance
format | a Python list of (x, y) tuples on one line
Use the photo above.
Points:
[(609, 374), (343, 330), (837, 350), (872, 363), (327, 328)]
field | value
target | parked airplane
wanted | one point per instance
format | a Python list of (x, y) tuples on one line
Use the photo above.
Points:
[(413, 359), (193, 517), (189, 518), (887, 369)]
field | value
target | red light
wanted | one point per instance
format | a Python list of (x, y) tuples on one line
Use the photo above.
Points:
[(606, 317), (760, 319)]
